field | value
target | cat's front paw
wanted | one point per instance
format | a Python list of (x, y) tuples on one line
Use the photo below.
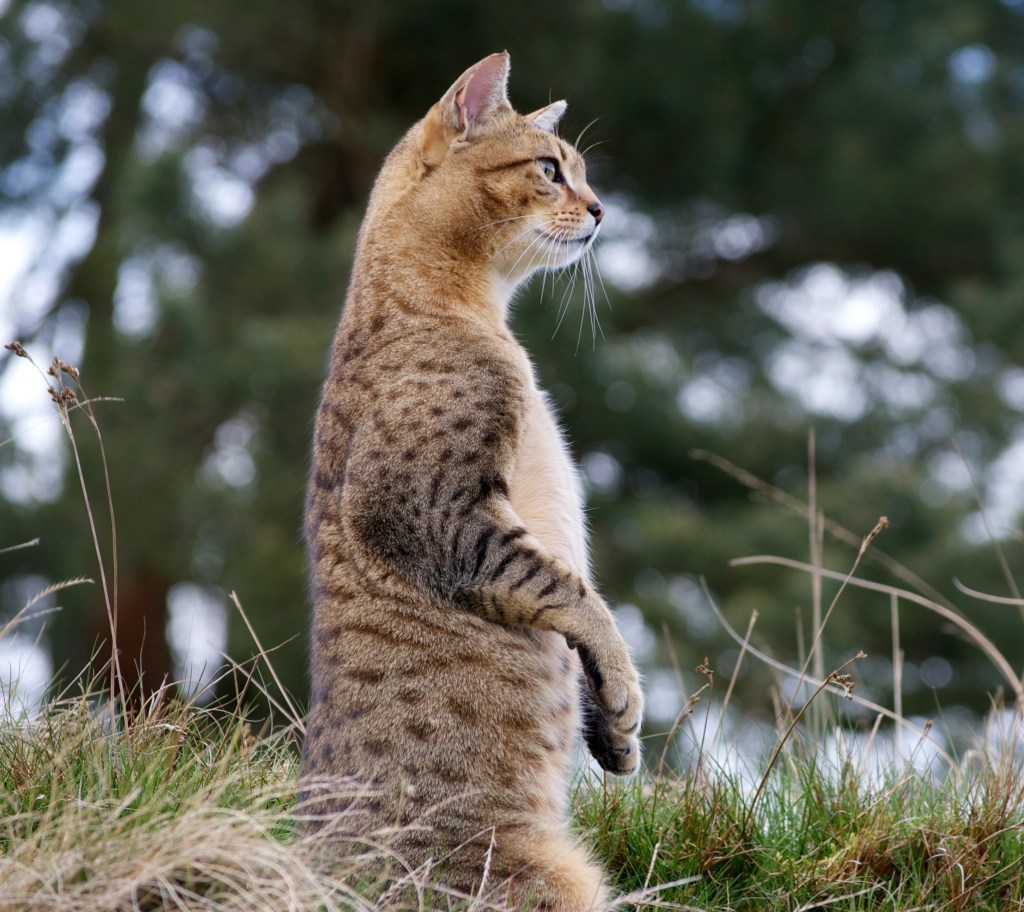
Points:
[(616, 751), (613, 712)]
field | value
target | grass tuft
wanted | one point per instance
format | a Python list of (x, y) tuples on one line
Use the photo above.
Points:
[(819, 839)]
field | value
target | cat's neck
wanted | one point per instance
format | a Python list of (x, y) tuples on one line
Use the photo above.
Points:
[(431, 282)]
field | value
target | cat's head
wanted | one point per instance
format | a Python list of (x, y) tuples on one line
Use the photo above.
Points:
[(498, 184)]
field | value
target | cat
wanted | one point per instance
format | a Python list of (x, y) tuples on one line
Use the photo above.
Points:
[(458, 642)]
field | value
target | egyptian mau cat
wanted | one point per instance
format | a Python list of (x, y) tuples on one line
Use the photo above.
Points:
[(457, 636)]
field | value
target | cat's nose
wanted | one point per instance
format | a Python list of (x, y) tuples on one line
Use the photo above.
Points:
[(596, 210)]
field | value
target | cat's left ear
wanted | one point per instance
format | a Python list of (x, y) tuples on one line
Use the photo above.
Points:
[(477, 95), (547, 118), (481, 92)]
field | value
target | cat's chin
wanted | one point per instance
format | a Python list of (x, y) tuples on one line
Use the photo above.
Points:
[(566, 251)]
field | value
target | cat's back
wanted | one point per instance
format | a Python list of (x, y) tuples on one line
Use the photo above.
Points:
[(420, 418)]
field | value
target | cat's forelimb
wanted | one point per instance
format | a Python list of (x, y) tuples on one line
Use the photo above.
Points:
[(466, 547), (517, 581)]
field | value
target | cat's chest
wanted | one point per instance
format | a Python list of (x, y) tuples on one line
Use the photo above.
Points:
[(545, 488)]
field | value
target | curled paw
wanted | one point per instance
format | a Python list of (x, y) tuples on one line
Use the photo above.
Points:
[(613, 711), (617, 751)]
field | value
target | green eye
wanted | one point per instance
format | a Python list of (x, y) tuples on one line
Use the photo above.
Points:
[(550, 170)]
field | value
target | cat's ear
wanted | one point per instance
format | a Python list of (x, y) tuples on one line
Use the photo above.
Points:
[(480, 92), (475, 97), (547, 118)]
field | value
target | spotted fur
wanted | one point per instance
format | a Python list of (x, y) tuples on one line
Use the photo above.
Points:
[(456, 630)]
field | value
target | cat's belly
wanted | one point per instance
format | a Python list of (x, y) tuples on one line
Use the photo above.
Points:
[(545, 488)]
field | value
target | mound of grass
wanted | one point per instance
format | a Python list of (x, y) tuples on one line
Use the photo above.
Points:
[(183, 809)]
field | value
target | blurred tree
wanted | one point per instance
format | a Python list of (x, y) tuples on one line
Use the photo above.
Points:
[(816, 222)]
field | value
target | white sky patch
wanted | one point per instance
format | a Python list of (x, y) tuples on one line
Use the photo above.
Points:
[(169, 267), (84, 108), (637, 249), (1011, 387), (46, 26), (739, 236), (716, 395), (973, 64), (173, 107), (36, 475), (824, 305), (197, 630), (626, 264), (135, 302), (229, 462), (824, 380), (78, 175), (221, 197), (832, 315), (602, 471), (25, 670), (33, 253), (75, 233), (21, 239), (1003, 495), (623, 253), (686, 595), (638, 636), (663, 697)]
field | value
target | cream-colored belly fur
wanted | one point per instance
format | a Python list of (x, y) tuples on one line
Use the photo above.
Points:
[(545, 488)]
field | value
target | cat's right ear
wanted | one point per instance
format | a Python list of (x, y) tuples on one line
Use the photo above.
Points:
[(473, 99), (547, 118)]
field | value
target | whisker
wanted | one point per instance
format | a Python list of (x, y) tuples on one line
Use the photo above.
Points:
[(501, 221), (583, 132), (591, 266), (600, 278), (521, 234), (563, 306), (588, 301), (530, 248)]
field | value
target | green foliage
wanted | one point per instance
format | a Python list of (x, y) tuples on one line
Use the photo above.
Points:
[(232, 146)]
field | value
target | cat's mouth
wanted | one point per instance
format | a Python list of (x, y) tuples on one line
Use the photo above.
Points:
[(572, 242)]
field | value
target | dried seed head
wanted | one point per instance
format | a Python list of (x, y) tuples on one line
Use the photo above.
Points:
[(17, 348), (705, 669), (68, 369), (845, 681)]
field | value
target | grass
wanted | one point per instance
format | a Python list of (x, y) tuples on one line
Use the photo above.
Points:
[(105, 805), (820, 842), (183, 808)]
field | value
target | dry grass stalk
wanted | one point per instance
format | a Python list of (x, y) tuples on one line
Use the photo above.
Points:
[(972, 632)]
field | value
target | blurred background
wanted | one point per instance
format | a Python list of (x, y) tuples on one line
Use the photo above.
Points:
[(816, 224)]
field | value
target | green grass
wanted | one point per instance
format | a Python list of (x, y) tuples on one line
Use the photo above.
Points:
[(907, 842), (182, 808)]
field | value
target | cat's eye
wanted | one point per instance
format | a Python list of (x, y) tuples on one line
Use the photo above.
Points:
[(549, 168)]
